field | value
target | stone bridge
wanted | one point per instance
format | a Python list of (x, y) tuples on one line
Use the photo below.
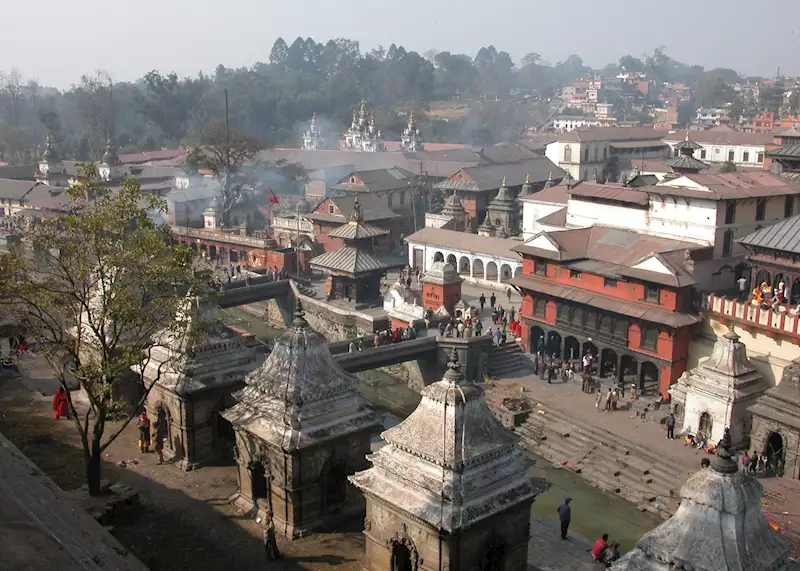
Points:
[(431, 354), (252, 290), (385, 355)]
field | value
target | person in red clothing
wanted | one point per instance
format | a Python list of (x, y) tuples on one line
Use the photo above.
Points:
[(60, 406), (599, 547)]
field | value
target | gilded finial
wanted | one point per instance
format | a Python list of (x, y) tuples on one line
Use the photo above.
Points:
[(314, 116), (687, 136), (356, 215), (49, 140), (411, 115), (527, 179), (505, 182), (363, 109)]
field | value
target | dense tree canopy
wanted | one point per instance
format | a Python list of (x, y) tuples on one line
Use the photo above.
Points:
[(273, 99)]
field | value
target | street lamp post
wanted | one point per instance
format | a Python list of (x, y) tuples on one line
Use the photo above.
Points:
[(297, 241)]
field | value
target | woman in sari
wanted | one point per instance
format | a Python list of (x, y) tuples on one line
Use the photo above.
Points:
[(60, 406)]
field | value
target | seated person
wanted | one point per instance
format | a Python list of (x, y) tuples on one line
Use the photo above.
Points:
[(599, 547), (611, 553)]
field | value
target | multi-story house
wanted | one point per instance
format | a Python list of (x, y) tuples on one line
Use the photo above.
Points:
[(709, 210), (587, 154), (724, 145), (620, 295)]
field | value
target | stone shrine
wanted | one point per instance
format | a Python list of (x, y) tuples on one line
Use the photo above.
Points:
[(301, 428), (411, 139), (716, 394), (718, 526), (362, 134), (455, 210), (441, 287), (195, 376), (502, 214), (313, 139), (776, 421), (450, 489)]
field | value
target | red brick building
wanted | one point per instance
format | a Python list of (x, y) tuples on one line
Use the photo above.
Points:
[(623, 296), (335, 211)]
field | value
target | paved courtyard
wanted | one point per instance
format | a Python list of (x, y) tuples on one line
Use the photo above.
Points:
[(548, 552)]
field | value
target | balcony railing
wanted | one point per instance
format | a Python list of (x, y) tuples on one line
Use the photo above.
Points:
[(781, 320), (218, 236), (291, 224)]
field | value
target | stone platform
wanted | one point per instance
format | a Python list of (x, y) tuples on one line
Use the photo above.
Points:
[(613, 450)]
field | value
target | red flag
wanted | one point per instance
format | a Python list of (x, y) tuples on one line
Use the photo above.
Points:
[(272, 198)]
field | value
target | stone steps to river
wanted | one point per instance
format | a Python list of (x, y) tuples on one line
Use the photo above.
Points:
[(606, 460), (507, 361)]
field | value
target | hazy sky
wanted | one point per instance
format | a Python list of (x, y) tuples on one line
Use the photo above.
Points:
[(56, 41)]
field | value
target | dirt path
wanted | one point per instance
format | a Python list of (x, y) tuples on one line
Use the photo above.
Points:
[(186, 521)]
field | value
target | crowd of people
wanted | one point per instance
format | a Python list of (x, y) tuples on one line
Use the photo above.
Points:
[(768, 297), (385, 337)]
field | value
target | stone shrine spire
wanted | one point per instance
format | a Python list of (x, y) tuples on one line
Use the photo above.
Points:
[(313, 139), (450, 468), (719, 525), (411, 138), (502, 213), (363, 135), (716, 394)]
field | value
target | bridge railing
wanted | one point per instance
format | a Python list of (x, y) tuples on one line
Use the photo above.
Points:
[(219, 236)]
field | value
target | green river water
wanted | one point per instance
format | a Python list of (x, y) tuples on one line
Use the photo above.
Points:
[(594, 512)]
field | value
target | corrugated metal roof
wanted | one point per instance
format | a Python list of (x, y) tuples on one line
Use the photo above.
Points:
[(465, 242), (349, 260), (489, 177), (783, 236), (614, 192), (792, 151), (357, 231)]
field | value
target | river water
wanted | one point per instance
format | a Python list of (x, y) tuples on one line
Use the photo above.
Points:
[(594, 512)]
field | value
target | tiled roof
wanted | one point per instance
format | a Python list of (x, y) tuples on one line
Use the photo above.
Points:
[(12, 189), (612, 134), (721, 137), (489, 177), (376, 180), (686, 163), (354, 261), (556, 194), (357, 231), (617, 251), (465, 242), (639, 311), (783, 236), (373, 207), (792, 151), (727, 186), (615, 192), (557, 218)]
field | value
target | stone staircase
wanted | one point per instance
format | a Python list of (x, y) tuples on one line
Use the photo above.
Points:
[(609, 462), (508, 360)]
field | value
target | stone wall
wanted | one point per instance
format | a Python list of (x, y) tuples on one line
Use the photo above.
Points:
[(385, 526), (299, 485)]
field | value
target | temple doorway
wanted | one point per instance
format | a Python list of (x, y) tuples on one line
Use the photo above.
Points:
[(401, 557), (438, 257), (494, 557), (572, 348), (335, 481), (164, 428), (258, 481), (608, 363), (763, 276), (554, 344), (704, 425), (775, 453), (648, 383), (224, 439), (535, 339)]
